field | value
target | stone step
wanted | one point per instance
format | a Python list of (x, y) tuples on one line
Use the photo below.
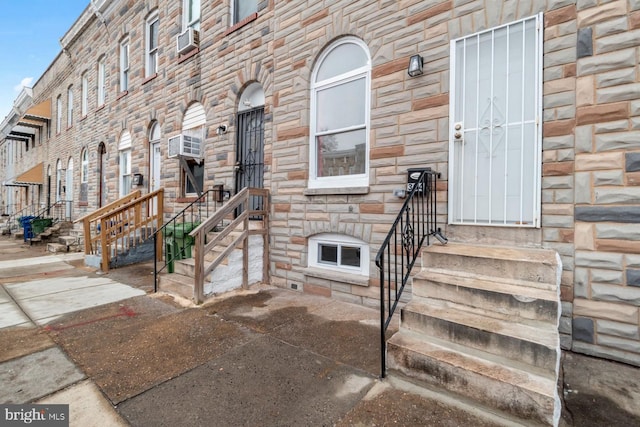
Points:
[(176, 284), (67, 240), (187, 267), (57, 247), (536, 343), (506, 298), (477, 375), (530, 264)]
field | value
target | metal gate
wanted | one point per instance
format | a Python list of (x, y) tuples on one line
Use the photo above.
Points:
[(250, 153)]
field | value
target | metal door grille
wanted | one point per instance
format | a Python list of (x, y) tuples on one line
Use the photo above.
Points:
[(250, 153), (495, 126)]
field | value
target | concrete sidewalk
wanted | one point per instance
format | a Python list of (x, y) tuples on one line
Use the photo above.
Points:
[(120, 356)]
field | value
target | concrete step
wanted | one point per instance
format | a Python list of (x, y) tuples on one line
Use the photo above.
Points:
[(187, 267), (513, 299), (57, 247), (536, 344), (176, 284), (530, 264), (477, 375), (67, 240)]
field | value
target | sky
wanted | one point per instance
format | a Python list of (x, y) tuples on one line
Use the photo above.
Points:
[(30, 33)]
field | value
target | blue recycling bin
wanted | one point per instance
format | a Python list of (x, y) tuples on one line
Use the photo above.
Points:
[(25, 222)]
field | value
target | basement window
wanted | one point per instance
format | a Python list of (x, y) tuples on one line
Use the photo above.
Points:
[(339, 252)]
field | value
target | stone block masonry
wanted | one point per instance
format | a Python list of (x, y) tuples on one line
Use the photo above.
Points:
[(607, 210), (590, 113)]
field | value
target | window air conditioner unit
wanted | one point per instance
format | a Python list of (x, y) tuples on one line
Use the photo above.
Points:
[(185, 145), (188, 40)]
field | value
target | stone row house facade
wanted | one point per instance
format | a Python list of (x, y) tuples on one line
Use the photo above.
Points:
[(529, 109)]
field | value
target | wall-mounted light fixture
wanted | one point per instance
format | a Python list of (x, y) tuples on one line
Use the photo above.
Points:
[(415, 66), (222, 129)]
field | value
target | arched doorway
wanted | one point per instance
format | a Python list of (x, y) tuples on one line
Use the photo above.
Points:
[(155, 157), (69, 189), (250, 140), (48, 186), (102, 175), (58, 181)]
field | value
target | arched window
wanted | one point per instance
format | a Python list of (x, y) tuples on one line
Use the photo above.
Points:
[(124, 147), (101, 81), (193, 128), (59, 114), (58, 180), (70, 106), (84, 102), (340, 104), (84, 174)]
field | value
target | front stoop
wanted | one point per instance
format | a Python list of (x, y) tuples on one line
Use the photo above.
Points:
[(483, 323), (182, 281)]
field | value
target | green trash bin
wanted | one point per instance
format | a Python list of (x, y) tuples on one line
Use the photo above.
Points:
[(177, 242), (40, 224)]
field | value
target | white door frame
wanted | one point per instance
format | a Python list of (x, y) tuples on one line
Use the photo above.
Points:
[(529, 195)]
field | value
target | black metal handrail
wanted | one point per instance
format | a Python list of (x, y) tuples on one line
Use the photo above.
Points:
[(30, 210), (415, 223), (57, 211), (193, 214)]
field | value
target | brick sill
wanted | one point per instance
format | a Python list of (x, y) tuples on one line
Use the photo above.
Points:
[(148, 79), (241, 23), (336, 276), (335, 191), (83, 203), (186, 56), (101, 107), (186, 199), (122, 95)]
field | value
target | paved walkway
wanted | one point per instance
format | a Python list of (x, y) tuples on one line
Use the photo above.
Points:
[(121, 356)]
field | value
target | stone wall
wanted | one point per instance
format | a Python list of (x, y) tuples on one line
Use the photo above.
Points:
[(607, 197), (591, 154)]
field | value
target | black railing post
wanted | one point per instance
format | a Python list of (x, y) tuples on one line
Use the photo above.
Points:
[(383, 346), (401, 248)]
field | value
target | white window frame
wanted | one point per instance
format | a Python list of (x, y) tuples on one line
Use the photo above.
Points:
[(193, 124), (151, 54), (340, 181), (124, 174), (124, 65), (102, 77), (84, 168), (189, 21), (84, 105), (339, 240), (58, 180), (197, 132), (69, 106), (59, 114), (233, 8)]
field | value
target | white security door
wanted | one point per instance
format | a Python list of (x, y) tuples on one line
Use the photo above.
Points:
[(495, 146)]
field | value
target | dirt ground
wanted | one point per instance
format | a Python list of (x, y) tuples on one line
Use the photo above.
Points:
[(257, 353)]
